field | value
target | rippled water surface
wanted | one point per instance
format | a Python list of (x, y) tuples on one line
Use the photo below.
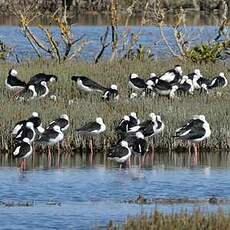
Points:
[(149, 36), (83, 197)]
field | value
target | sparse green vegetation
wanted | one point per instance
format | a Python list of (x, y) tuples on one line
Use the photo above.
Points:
[(183, 220), (87, 107)]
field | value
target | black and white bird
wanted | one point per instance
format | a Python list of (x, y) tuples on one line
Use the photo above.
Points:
[(185, 86), (123, 126), (35, 119), (162, 87), (120, 153), (14, 84), (136, 83), (138, 145), (172, 76), (160, 125), (23, 149), (111, 93), (85, 84), (26, 131), (195, 131), (152, 76), (39, 90), (148, 127), (51, 137), (38, 78), (204, 83), (133, 120), (194, 76), (220, 81), (62, 122), (92, 129)]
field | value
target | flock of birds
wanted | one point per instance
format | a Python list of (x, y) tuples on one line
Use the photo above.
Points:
[(132, 134), (171, 83)]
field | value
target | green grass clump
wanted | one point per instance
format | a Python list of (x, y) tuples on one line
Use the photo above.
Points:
[(183, 220), (87, 107)]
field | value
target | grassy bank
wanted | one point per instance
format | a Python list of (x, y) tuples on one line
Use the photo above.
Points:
[(184, 220), (87, 107)]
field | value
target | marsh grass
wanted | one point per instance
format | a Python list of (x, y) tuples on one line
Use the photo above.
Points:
[(87, 107), (183, 220)]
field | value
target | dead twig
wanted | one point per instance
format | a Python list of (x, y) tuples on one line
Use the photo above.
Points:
[(104, 44)]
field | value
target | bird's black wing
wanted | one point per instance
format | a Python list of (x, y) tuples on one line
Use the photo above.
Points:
[(92, 84), (24, 149), (14, 81), (61, 122), (191, 76), (163, 85), (117, 151), (140, 83), (35, 120), (48, 134), (194, 133), (89, 127)]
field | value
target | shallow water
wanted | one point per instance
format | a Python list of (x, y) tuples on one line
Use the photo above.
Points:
[(83, 197)]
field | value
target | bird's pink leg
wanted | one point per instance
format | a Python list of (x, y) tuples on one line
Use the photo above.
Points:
[(152, 153), (142, 161), (17, 92), (33, 155), (195, 155), (58, 158), (24, 164), (189, 148), (91, 152), (49, 157), (129, 162)]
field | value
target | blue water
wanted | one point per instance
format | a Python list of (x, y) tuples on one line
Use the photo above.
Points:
[(90, 197), (149, 36)]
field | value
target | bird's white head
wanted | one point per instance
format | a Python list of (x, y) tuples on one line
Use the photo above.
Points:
[(152, 116), (34, 114), (31, 87), (185, 78), (52, 79), (113, 86), (158, 117), (202, 117), (44, 83), (133, 114), (178, 69), (222, 75), (13, 73), (133, 75), (57, 128), (126, 118), (149, 83), (152, 75), (99, 120), (140, 135), (65, 116), (53, 97), (124, 144), (29, 125), (133, 95), (26, 140), (197, 72)]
